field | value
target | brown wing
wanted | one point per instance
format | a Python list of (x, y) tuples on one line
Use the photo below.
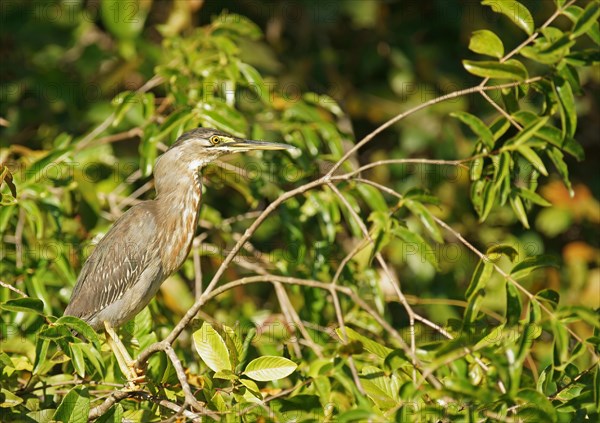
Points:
[(117, 262)]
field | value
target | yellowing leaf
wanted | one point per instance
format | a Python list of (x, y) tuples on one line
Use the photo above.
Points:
[(267, 368), (212, 348)]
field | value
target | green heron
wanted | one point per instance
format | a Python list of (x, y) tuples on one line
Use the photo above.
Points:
[(150, 241)]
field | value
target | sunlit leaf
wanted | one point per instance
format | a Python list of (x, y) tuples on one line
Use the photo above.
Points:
[(517, 205), (372, 346), (212, 348), (416, 241), (532, 157), (477, 126), (426, 218), (481, 276), (28, 305), (535, 198), (511, 69), (574, 13), (486, 42), (587, 19), (496, 251), (524, 268), (268, 368), (515, 11), (557, 158), (75, 406), (568, 115)]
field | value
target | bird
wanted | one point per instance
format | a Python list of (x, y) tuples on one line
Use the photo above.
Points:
[(152, 239)]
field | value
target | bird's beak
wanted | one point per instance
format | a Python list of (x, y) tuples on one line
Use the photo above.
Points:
[(249, 145)]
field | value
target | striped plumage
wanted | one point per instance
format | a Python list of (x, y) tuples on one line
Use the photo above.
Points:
[(152, 239)]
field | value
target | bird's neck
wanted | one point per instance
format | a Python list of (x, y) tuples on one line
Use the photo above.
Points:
[(178, 209)]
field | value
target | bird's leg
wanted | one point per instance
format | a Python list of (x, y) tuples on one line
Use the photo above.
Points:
[(126, 363)]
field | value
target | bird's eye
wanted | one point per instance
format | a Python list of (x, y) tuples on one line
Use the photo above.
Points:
[(214, 140)]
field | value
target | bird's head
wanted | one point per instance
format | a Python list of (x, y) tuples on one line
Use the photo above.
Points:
[(198, 147)]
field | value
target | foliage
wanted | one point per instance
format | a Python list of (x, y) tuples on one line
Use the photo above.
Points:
[(345, 305)]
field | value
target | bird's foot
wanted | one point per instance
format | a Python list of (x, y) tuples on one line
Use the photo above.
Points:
[(133, 373)]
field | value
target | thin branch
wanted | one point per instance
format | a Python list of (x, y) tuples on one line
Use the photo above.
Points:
[(502, 111), (512, 280), (397, 118), (113, 398), (14, 289), (425, 321), (85, 141)]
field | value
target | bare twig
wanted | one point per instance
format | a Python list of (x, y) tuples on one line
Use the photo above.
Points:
[(397, 118), (14, 289)]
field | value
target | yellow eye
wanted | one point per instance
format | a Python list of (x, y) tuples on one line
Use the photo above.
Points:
[(214, 140)]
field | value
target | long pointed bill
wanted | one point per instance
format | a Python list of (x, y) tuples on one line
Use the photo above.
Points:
[(249, 145)]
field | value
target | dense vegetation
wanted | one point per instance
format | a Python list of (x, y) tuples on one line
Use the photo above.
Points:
[(429, 253)]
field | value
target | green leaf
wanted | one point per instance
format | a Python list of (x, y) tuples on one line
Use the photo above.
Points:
[(35, 217), (511, 69), (7, 178), (481, 276), (237, 24), (515, 11), (268, 368), (378, 387), (499, 127), (81, 328), (528, 131), (74, 407), (486, 42), (422, 196), (496, 251), (311, 140), (531, 399), (125, 20), (477, 126), (568, 114), (252, 388), (36, 172), (233, 343), (476, 169), (41, 351), (488, 200), (551, 53), (477, 189), (530, 264), (93, 356), (77, 358), (212, 348), (373, 347), (514, 307), (27, 305), (426, 218), (587, 19), (517, 205), (502, 169), (122, 103), (550, 297), (557, 158), (532, 157), (225, 118), (372, 197), (422, 248), (8, 399), (535, 198), (574, 13), (255, 82)]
